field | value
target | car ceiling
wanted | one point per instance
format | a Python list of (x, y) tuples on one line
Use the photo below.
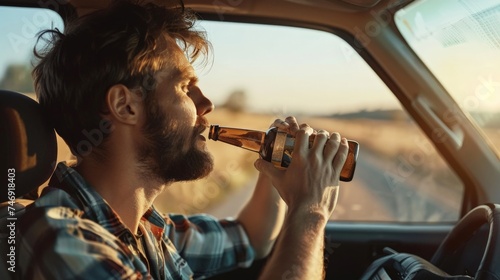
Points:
[(342, 14)]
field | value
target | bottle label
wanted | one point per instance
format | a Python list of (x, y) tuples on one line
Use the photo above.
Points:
[(279, 147)]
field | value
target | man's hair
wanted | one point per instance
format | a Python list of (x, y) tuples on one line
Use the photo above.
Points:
[(124, 43)]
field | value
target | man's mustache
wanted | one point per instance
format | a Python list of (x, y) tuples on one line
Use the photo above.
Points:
[(201, 125)]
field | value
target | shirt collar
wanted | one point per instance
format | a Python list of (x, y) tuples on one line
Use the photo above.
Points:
[(94, 206)]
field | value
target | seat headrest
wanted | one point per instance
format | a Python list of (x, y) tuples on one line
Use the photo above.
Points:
[(27, 143)]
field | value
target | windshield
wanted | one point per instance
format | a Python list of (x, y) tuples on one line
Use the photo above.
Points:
[(459, 41)]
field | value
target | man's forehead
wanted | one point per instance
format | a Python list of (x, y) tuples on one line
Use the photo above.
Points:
[(177, 72), (178, 65), (185, 71)]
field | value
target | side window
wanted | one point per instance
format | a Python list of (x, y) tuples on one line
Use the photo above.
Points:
[(18, 33), (259, 73)]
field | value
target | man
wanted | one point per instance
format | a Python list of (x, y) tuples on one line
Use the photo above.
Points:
[(125, 73)]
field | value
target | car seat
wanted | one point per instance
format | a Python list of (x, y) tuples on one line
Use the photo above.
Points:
[(28, 154)]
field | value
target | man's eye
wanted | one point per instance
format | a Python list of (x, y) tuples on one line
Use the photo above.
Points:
[(185, 88)]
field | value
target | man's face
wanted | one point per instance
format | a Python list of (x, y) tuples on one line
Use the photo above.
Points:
[(173, 149)]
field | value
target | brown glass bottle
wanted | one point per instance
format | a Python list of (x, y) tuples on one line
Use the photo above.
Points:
[(275, 146)]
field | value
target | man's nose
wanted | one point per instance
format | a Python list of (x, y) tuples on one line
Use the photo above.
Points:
[(202, 103)]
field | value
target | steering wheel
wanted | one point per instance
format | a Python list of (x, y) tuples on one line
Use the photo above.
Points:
[(489, 268), (407, 266)]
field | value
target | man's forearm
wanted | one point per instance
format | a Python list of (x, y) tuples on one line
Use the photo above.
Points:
[(309, 186), (262, 216), (298, 252)]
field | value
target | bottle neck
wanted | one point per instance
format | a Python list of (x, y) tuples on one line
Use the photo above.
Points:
[(251, 140)]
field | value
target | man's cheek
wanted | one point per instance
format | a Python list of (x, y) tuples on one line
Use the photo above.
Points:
[(187, 139)]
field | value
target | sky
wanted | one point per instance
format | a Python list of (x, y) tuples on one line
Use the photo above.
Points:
[(281, 64)]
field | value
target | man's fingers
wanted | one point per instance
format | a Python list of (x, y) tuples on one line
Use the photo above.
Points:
[(341, 155), (293, 125), (301, 146), (332, 146), (320, 139), (281, 125)]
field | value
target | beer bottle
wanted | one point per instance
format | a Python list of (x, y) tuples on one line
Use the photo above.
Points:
[(275, 146)]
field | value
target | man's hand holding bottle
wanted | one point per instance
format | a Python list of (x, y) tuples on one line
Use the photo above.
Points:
[(310, 183)]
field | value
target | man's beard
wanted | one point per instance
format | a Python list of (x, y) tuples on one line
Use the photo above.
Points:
[(163, 154)]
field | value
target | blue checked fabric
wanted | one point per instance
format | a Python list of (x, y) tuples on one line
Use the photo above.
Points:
[(70, 232)]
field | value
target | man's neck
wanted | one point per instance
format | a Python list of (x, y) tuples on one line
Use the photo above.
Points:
[(121, 185)]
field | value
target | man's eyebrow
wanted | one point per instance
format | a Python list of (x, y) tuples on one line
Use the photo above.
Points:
[(184, 74)]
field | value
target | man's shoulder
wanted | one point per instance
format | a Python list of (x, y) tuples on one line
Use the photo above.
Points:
[(65, 239), (41, 217), (51, 226), (54, 211)]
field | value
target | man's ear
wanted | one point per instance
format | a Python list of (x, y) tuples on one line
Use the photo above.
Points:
[(123, 105)]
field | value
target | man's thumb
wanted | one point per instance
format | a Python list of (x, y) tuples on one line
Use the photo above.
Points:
[(265, 167)]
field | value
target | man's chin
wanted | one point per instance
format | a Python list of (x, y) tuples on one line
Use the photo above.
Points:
[(208, 166), (195, 165), (204, 174)]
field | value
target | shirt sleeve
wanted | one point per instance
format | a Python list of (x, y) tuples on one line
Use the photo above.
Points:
[(57, 244), (210, 246)]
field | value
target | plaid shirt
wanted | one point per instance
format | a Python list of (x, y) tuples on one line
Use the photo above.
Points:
[(70, 232)]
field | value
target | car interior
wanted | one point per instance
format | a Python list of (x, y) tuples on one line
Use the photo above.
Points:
[(467, 247)]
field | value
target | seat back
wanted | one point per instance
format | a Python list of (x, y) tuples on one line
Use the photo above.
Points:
[(28, 154)]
